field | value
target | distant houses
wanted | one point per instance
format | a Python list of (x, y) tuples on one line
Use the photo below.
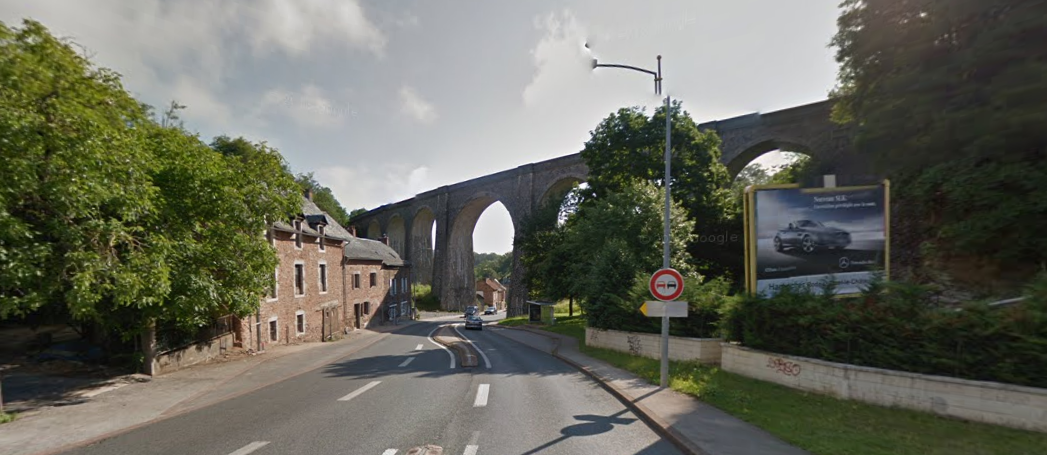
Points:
[(491, 292), (328, 283)]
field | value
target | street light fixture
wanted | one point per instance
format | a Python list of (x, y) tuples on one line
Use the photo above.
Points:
[(668, 160)]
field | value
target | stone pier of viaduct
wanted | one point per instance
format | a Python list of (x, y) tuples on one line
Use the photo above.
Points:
[(455, 209)]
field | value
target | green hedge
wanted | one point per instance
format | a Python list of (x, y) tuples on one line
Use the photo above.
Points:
[(901, 327), (706, 300), (424, 299)]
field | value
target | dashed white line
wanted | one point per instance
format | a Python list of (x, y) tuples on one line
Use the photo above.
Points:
[(441, 346), (487, 362), (250, 448), (389, 452), (471, 447), (471, 450), (409, 359), (418, 348), (481, 395), (359, 391)]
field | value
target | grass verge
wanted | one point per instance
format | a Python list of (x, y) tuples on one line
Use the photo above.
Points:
[(820, 424), (7, 417)]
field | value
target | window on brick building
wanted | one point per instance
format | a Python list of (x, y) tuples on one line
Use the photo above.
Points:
[(356, 281), (299, 322), (299, 279), (276, 281), (367, 307), (374, 279), (321, 238), (323, 277)]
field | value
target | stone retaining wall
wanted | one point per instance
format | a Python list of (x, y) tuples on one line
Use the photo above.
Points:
[(704, 350), (980, 401), (191, 355)]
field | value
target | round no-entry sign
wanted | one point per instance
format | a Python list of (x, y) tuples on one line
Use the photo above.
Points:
[(666, 284)]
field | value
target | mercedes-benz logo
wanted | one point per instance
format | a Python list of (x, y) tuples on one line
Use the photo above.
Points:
[(844, 262)]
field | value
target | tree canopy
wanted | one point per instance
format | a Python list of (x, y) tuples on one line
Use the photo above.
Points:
[(947, 100), (108, 216), (323, 197)]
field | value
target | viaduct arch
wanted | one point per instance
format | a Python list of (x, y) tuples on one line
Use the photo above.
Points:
[(454, 209)]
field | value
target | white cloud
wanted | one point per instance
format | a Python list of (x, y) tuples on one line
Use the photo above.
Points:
[(309, 107), (412, 104), (295, 25), (560, 58), (369, 187)]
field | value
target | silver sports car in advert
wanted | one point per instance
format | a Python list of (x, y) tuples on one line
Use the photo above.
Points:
[(808, 236)]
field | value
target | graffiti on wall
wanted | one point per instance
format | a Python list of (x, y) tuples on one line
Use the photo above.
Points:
[(783, 366)]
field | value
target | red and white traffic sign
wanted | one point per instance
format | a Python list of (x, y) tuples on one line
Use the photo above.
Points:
[(666, 284)]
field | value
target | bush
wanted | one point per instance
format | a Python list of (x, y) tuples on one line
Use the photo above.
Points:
[(900, 327), (705, 303), (424, 299)]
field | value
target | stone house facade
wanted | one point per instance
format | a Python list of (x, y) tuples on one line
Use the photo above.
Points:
[(492, 291), (378, 282), (315, 296)]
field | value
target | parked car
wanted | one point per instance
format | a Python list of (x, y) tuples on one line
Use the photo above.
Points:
[(474, 322), (808, 235), (491, 309)]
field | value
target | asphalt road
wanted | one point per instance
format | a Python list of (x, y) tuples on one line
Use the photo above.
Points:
[(400, 393), (772, 264)]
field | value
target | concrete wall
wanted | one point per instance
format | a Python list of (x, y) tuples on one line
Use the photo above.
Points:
[(980, 401), (191, 355), (704, 350)]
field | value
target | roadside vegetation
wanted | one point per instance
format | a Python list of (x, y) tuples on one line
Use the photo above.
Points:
[(6, 417), (820, 424), (424, 299)]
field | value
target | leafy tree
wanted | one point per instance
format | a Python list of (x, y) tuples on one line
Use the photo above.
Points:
[(946, 98), (356, 212), (628, 146), (795, 171), (492, 265), (544, 255), (75, 184), (323, 197), (613, 238)]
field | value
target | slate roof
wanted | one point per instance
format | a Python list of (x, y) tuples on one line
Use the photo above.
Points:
[(372, 250), (313, 218)]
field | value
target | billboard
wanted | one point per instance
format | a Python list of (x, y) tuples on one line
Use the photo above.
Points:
[(805, 236)]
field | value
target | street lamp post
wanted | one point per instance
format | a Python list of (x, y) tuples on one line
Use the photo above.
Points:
[(668, 170)]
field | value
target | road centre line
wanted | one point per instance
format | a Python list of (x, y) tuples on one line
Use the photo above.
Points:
[(471, 450), (250, 448), (441, 346), (487, 362), (389, 452), (481, 395), (360, 391), (409, 359)]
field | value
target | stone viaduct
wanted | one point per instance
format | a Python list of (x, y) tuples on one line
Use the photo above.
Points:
[(455, 209)]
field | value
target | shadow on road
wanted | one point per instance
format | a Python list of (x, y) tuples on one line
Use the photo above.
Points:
[(591, 425)]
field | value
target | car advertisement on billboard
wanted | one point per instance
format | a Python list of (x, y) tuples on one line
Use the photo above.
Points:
[(805, 236)]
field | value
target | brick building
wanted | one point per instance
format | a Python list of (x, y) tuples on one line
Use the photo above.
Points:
[(492, 291), (317, 288), (378, 282)]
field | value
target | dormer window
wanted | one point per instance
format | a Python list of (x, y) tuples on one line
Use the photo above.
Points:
[(320, 229)]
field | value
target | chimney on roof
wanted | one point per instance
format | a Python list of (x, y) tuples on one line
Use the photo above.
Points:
[(384, 239), (309, 193), (352, 230)]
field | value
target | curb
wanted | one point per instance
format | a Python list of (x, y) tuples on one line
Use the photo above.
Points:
[(653, 420), (465, 353)]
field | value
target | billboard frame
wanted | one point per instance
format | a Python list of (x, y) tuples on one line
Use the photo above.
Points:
[(749, 218)]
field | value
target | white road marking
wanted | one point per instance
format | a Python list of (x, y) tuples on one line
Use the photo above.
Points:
[(389, 452), (418, 348), (359, 391), (487, 362), (471, 450), (481, 395), (441, 346), (250, 448), (409, 359)]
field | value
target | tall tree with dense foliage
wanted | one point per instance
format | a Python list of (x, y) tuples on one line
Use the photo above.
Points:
[(629, 146), (112, 219), (947, 99)]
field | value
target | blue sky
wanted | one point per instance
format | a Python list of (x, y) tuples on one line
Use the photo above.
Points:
[(383, 100)]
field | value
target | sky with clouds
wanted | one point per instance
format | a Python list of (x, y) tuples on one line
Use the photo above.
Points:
[(383, 100)]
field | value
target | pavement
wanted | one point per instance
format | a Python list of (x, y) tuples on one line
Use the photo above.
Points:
[(114, 407), (128, 417), (693, 426)]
